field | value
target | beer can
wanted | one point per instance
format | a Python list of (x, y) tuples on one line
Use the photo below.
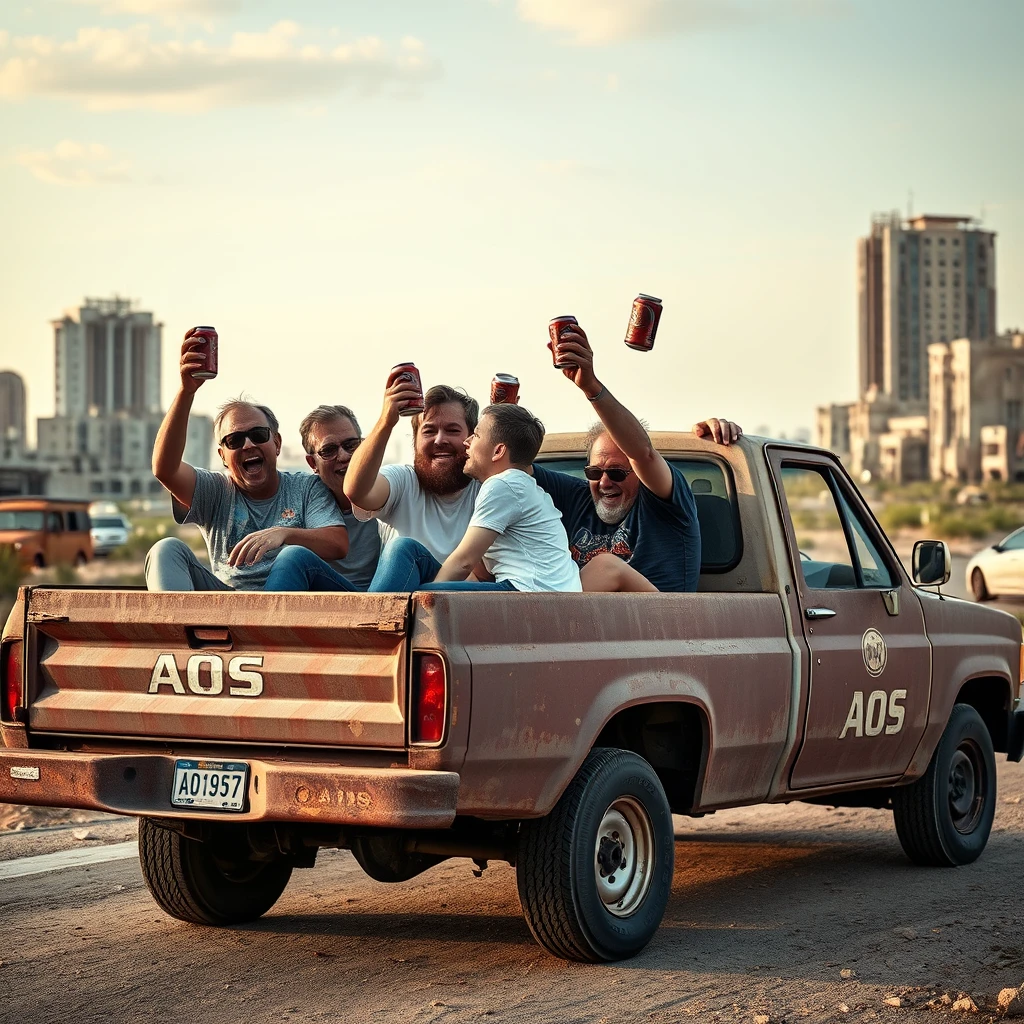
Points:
[(504, 389), (643, 322), (408, 372), (555, 329), (209, 352)]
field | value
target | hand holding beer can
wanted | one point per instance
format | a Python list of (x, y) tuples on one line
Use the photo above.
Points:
[(407, 373), (556, 328), (643, 322), (504, 389), (208, 336)]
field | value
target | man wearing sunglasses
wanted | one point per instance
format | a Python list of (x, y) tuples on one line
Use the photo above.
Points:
[(632, 524), (246, 515), (330, 435)]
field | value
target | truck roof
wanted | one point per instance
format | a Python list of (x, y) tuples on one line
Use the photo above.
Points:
[(666, 441)]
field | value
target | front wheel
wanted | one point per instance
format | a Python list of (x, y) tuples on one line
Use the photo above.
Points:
[(944, 818), (978, 586), (214, 883), (595, 874)]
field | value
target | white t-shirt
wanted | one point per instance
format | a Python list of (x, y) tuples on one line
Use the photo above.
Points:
[(438, 523), (531, 549)]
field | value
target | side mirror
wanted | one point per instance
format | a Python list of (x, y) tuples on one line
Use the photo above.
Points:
[(931, 563)]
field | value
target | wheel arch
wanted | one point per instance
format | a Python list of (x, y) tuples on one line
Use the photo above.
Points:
[(672, 736), (992, 698)]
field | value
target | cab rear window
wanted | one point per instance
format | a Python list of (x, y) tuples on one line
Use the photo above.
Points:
[(721, 543)]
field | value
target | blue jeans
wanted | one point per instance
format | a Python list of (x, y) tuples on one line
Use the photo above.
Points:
[(406, 565), (298, 569)]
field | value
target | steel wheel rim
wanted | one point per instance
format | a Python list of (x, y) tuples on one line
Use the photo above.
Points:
[(966, 787), (624, 856)]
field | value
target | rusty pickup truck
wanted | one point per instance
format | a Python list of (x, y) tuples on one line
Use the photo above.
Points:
[(558, 732)]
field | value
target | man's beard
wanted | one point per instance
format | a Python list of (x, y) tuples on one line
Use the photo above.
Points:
[(443, 477), (611, 511)]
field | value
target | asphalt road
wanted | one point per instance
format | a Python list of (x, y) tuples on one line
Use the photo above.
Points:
[(769, 906)]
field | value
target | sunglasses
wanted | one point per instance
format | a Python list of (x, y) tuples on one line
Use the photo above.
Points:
[(329, 451), (615, 475), (235, 440)]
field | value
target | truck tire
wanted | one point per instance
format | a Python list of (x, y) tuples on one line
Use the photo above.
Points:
[(595, 874), (191, 881), (944, 818)]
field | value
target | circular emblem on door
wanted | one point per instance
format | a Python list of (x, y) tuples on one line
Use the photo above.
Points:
[(872, 646)]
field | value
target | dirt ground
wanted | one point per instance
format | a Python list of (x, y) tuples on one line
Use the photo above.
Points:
[(781, 913)]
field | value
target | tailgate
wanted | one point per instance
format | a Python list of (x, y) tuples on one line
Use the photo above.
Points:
[(325, 669)]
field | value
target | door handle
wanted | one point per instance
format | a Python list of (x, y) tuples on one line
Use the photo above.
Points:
[(818, 613), (205, 638)]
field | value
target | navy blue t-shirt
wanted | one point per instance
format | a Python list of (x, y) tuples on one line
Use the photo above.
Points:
[(659, 537)]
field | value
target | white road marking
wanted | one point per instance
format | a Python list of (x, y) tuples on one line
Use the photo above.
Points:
[(67, 859)]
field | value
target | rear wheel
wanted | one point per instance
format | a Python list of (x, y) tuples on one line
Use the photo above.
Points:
[(595, 875), (978, 587), (80, 559), (215, 882), (39, 562), (944, 818)]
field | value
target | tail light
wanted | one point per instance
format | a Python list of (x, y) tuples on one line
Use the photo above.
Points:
[(11, 671), (429, 699)]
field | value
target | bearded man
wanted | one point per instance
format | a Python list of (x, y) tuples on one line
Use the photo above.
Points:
[(429, 504)]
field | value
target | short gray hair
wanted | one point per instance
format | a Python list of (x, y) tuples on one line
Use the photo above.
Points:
[(241, 402), (325, 414), (598, 429)]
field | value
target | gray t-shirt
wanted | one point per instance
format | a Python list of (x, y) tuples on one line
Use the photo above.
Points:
[(365, 541), (225, 515)]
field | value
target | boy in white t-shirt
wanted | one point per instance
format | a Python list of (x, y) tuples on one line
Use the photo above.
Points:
[(515, 528)]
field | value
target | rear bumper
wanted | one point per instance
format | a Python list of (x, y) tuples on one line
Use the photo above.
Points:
[(278, 791), (1015, 743)]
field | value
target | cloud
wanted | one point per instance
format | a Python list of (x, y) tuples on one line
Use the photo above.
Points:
[(599, 22), (111, 69), (171, 12), (75, 163)]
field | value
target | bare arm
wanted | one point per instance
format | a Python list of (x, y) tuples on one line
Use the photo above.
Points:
[(623, 427), (460, 563), (177, 476), (329, 542), (364, 484), (719, 430)]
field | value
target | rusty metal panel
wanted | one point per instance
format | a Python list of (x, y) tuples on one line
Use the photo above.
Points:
[(550, 670), (278, 791), (325, 669)]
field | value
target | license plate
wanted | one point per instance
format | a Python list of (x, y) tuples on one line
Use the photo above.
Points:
[(216, 785)]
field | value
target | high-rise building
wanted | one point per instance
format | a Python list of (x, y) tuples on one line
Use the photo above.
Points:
[(926, 280), (12, 409), (107, 359)]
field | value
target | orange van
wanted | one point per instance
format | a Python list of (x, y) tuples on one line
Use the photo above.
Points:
[(46, 531)]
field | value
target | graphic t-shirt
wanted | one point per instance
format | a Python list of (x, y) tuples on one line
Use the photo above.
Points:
[(438, 523), (659, 537), (225, 516), (530, 550)]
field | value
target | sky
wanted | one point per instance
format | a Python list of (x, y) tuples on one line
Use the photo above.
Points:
[(342, 186)]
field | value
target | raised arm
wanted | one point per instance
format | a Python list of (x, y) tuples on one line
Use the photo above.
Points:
[(623, 427), (365, 486), (461, 562), (176, 475)]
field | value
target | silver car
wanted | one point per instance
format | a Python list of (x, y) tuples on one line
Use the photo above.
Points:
[(109, 531)]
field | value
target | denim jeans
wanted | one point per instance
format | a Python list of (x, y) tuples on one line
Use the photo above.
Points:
[(298, 569), (468, 585), (405, 565), (172, 565)]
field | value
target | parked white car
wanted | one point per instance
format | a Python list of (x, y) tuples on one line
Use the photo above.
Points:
[(998, 569), (109, 531)]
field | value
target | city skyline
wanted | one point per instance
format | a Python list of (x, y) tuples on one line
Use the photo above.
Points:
[(344, 194)]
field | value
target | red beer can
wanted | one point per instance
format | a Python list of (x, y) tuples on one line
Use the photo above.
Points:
[(555, 329), (209, 352), (643, 322), (504, 389), (408, 372)]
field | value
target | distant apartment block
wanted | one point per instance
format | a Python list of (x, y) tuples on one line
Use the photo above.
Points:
[(12, 411), (926, 280), (107, 359), (976, 412)]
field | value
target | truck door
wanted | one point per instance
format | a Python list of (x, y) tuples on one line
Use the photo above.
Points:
[(870, 660)]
